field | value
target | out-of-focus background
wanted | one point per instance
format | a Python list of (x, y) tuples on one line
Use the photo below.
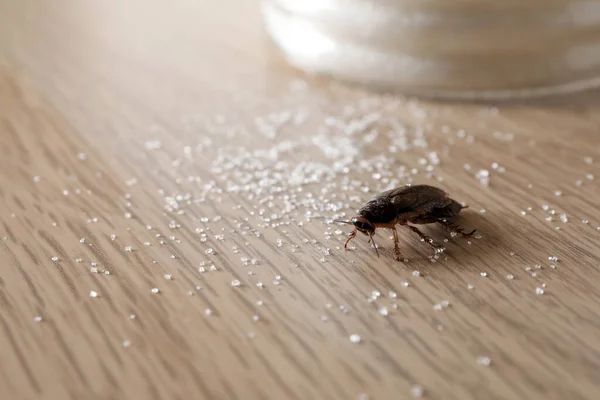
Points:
[(168, 181)]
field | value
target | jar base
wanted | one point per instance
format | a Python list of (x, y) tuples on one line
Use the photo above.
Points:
[(307, 48)]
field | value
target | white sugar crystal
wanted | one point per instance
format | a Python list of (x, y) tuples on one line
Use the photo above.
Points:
[(416, 391), (539, 291), (153, 144), (483, 176), (155, 290), (354, 338), (93, 294), (483, 361)]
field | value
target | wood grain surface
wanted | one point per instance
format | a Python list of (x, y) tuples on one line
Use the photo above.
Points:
[(166, 145)]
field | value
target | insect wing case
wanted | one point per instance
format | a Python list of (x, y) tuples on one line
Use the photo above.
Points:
[(420, 198)]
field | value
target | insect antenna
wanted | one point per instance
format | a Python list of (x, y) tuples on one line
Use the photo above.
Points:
[(316, 217), (374, 245), (330, 221), (343, 222)]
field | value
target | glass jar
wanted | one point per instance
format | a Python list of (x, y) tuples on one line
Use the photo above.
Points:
[(478, 49)]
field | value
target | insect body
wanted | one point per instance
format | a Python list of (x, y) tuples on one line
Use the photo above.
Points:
[(416, 205)]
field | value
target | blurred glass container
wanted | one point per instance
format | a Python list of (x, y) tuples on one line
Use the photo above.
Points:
[(477, 49)]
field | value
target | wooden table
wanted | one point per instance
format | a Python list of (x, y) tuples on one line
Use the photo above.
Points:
[(167, 185)]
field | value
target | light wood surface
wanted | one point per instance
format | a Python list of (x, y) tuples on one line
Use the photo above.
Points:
[(176, 127)]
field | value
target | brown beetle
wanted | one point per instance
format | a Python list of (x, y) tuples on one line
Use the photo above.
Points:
[(419, 204)]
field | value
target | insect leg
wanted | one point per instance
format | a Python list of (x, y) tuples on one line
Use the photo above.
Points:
[(425, 238), (350, 237), (397, 245), (453, 228), (374, 245)]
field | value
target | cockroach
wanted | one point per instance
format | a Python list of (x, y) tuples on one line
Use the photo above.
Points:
[(406, 205)]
